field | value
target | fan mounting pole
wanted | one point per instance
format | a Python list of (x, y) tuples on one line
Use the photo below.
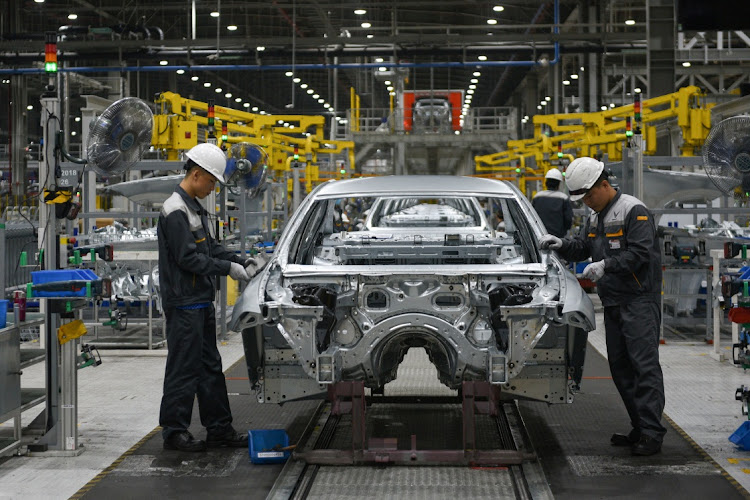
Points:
[(636, 148)]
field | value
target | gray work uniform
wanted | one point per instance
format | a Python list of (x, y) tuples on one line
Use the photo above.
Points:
[(555, 210), (189, 261), (624, 236)]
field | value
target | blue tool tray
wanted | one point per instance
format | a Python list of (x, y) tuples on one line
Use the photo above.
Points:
[(64, 283), (266, 444)]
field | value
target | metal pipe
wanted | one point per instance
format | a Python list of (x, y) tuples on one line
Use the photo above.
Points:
[(273, 67)]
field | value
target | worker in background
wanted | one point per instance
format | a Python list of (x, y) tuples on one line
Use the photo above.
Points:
[(553, 206), (190, 259), (499, 220), (620, 237)]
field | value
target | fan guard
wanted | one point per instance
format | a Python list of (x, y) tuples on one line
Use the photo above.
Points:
[(246, 167), (120, 136), (726, 156)]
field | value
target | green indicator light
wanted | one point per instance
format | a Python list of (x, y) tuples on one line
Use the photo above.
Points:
[(343, 171), (518, 170), (629, 133), (224, 137), (559, 155), (50, 67), (296, 157)]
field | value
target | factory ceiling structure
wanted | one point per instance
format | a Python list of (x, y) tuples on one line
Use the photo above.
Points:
[(276, 56)]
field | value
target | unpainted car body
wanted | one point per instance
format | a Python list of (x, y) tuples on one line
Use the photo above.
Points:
[(432, 115), (368, 268)]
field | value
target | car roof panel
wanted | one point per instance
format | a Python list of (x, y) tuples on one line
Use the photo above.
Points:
[(397, 185)]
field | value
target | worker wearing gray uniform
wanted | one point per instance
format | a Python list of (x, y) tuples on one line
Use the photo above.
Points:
[(620, 237), (189, 261), (553, 206)]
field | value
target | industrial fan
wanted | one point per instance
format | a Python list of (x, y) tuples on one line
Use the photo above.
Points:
[(726, 156), (118, 139), (246, 168), (120, 136)]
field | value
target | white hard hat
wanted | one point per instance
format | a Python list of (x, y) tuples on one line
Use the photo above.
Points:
[(581, 174), (210, 158), (554, 174)]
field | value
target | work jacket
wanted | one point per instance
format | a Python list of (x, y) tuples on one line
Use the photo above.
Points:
[(189, 256), (624, 236), (555, 210)]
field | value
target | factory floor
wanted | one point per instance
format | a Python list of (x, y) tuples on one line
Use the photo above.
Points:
[(119, 404)]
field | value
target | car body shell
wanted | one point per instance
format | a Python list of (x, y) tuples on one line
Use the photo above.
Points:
[(420, 267)]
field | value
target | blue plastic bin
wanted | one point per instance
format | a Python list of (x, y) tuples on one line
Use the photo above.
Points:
[(741, 437), (262, 443), (51, 276), (3, 313)]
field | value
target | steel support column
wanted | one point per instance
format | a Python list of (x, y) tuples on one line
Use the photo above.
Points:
[(660, 59)]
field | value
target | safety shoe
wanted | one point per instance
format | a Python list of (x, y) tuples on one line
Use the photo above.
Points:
[(646, 446), (625, 439), (184, 441), (230, 439)]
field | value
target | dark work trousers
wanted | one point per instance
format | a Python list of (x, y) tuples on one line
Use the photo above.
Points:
[(633, 351), (193, 367)]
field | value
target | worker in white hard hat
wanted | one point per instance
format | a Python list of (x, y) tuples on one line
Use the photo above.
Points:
[(620, 237), (553, 205), (190, 259)]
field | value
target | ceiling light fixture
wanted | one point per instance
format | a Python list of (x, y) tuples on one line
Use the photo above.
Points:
[(194, 78), (232, 27), (303, 86), (289, 73), (360, 12), (498, 8), (72, 17), (163, 63), (630, 22), (366, 25), (491, 21), (574, 77), (260, 48), (686, 64), (180, 71), (228, 95), (207, 84), (482, 58), (296, 80), (215, 14)]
